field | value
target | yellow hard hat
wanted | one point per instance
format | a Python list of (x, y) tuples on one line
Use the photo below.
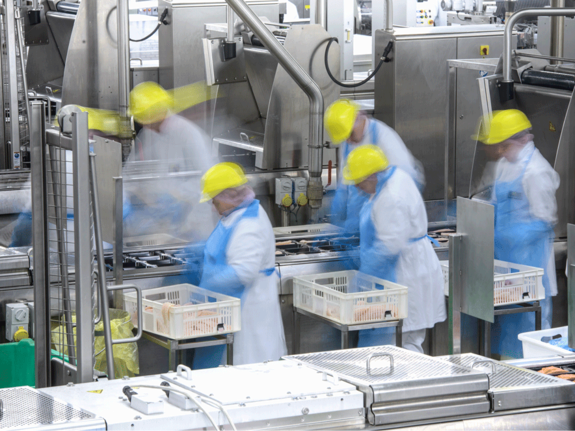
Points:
[(149, 103), (362, 162), (339, 120), (221, 177), (501, 125)]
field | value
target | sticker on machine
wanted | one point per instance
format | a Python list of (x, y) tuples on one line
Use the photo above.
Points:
[(16, 160)]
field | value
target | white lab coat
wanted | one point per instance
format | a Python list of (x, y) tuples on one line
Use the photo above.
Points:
[(392, 145), (399, 215), (291, 12), (540, 184), (180, 146), (250, 250)]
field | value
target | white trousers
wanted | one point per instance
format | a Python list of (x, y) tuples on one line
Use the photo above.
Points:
[(413, 340)]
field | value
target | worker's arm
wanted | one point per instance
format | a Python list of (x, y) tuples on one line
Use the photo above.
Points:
[(244, 256), (540, 184)]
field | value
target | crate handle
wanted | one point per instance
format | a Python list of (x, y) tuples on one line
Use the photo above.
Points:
[(138, 308), (378, 355), (493, 365), (181, 368)]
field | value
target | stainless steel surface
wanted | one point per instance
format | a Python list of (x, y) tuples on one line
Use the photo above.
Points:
[(10, 29), (544, 57), (91, 69), (103, 305), (557, 32), (455, 289), (42, 411), (218, 70), (184, 36), (40, 241), (308, 85), (84, 259), (22, 57), (123, 51), (410, 87), (544, 36), (512, 388), (320, 14), (261, 69), (525, 13), (418, 387), (108, 166), (340, 24), (475, 223), (571, 284), (118, 234)]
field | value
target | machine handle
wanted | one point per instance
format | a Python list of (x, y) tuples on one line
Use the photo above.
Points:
[(378, 355), (326, 378), (128, 392), (137, 58), (139, 310), (493, 365), (182, 368), (244, 137)]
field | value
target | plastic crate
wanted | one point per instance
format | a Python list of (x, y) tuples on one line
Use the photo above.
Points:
[(533, 347), (512, 283), (350, 297), (195, 312)]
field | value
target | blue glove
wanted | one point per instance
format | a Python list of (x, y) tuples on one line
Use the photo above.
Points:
[(222, 279)]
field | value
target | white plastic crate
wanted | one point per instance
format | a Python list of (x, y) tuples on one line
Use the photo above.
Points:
[(185, 311), (350, 297), (533, 347), (512, 283)]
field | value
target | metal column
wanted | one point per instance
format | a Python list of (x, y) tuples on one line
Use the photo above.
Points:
[(557, 32), (10, 26), (40, 242), (83, 249), (571, 284), (124, 75)]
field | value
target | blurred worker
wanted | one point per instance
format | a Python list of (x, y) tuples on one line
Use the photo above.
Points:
[(239, 261), (177, 146), (291, 12), (525, 213), (347, 125), (394, 244)]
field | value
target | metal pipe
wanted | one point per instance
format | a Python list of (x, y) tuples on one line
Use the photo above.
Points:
[(308, 85), (101, 270), (231, 30), (15, 159), (544, 57), (557, 32), (321, 13), (507, 38), (21, 48), (40, 244), (83, 249), (124, 75), (388, 15)]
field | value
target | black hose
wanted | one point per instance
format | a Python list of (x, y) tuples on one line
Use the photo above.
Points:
[(382, 60), (162, 20)]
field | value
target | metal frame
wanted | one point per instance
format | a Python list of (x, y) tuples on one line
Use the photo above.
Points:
[(345, 329), (10, 27), (571, 285), (175, 347)]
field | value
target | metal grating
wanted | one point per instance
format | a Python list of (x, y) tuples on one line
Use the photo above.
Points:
[(25, 408), (505, 376), (408, 365)]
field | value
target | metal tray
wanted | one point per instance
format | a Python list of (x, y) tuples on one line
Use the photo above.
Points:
[(511, 387), (401, 385)]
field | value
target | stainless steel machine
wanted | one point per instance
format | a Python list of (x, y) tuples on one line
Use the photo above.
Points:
[(372, 388)]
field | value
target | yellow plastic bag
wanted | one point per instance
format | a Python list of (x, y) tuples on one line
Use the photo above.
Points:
[(126, 359)]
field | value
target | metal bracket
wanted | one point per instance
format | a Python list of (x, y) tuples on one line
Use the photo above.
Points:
[(139, 306)]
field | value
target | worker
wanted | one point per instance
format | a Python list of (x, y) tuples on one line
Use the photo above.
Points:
[(176, 145), (394, 244), (239, 261), (347, 125), (525, 213)]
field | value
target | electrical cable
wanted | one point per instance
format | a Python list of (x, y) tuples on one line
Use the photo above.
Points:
[(187, 395), (382, 60), (161, 21)]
